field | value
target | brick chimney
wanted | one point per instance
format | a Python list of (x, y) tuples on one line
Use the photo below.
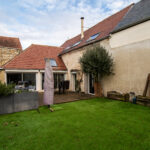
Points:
[(82, 27)]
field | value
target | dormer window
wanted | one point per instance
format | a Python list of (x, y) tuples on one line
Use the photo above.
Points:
[(93, 37), (53, 63)]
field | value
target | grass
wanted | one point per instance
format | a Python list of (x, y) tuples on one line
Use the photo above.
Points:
[(97, 124)]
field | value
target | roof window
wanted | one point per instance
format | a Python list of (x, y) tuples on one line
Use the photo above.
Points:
[(93, 37), (67, 47), (53, 63), (77, 43)]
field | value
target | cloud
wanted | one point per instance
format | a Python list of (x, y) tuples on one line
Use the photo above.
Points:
[(51, 22)]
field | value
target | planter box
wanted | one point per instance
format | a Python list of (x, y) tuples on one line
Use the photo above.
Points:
[(19, 102), (7, 104), (98, 90), (142, 100), (117, 96)]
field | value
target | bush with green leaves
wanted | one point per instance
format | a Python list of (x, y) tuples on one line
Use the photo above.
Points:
[(6, 90), (98, 62)]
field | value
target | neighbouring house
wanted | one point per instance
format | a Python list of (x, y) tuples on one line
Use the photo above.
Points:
[(9, 48), (30, 64), (126, 35)]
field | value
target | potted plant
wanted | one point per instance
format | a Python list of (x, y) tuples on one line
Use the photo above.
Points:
[(98, 62)]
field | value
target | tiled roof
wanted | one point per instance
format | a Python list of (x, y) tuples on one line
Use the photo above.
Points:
[(140, 12), (104, 28), (11, 42), (34, 58)]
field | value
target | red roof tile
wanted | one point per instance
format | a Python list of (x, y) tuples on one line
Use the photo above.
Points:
[(10, 42), (104, 27), (33, 58)]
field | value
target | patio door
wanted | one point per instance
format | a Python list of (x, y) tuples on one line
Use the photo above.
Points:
[(91, 84)]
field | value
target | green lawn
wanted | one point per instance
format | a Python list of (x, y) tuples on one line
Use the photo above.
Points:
[(97, 124)]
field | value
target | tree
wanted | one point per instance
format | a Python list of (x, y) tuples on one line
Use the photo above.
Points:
[(98, 62)]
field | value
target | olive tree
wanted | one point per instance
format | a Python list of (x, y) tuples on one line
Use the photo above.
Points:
[(98, 62)]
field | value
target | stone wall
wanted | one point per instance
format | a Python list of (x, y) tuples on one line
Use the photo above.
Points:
[(71, 61), (6, 54)]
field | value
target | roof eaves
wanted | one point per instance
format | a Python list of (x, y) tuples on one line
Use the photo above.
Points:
[(45, 45), (54, 68)]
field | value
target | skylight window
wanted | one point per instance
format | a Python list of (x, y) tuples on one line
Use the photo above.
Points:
[(67, 47), (93, 37), (77, 43), (53, 63)]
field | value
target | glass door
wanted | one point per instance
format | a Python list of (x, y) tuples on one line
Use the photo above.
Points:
[(91, 84), (74, 81)]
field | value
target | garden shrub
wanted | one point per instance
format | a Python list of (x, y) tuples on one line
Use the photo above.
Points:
[(6, 89), (98, 62)]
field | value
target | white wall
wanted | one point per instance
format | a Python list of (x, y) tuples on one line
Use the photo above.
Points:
[(132, 65), (131, 35)]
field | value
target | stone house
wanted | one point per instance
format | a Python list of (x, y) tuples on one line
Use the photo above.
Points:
[(9, 48), (99, 34), (126, 35)]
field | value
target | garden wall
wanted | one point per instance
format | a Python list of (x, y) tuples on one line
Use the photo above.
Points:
[(19, 102)]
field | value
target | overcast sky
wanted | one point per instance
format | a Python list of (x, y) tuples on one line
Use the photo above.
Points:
[(51, 22)]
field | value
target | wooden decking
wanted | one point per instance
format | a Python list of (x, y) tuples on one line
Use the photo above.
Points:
[(67, 97)]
